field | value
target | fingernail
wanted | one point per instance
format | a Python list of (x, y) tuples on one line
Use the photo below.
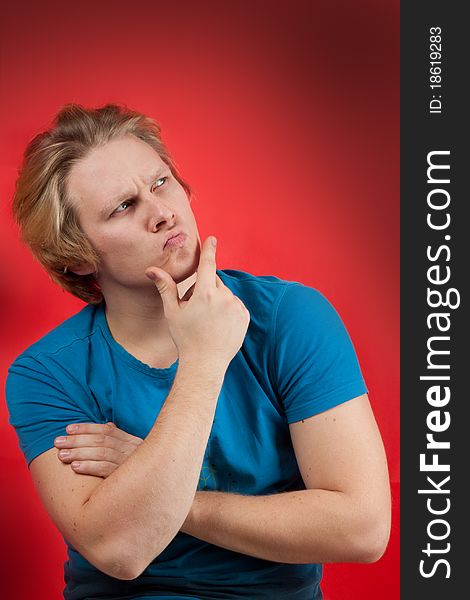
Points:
[(64, 453), (60, 440), (76, 465), (214, 241), (72, 427), (151, 275)]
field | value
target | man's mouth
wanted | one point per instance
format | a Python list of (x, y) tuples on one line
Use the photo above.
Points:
[(175, 240)]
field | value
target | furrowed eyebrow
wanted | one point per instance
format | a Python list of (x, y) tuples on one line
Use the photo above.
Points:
[(117, 201)]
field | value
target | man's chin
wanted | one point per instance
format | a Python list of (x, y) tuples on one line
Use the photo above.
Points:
[(182, 271), (181, 265), (189, 267)]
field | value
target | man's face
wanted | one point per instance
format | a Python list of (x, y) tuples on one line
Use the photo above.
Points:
[(128, 203)]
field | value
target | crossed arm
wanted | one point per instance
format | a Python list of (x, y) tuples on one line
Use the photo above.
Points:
[(342, 516)]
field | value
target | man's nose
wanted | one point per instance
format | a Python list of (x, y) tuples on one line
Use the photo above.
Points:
[(159, 214)]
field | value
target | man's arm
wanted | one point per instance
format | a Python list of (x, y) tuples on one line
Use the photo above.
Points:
[(109, 521), (343, 516)]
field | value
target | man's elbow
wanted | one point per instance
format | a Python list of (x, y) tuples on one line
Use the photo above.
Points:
[(125, 556), (125, 566), (124, 572), (129, 565), (373, 540), (116, 566), (134, 565)]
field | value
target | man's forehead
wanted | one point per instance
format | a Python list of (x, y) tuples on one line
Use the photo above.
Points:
[(108, 173), (119, 159)]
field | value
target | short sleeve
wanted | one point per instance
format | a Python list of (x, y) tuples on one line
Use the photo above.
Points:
[(314, 363), (40, 408)]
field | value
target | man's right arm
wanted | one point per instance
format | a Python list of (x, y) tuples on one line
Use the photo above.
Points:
[(109, 521), (122, 523)]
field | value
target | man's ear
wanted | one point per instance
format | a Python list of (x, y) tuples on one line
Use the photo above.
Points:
[(82, 269)]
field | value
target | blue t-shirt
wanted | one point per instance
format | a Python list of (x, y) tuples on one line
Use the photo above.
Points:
[(297, 360)]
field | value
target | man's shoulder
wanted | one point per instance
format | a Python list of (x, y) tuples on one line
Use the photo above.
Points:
[(268, 291), (251, 284), (268, 299), (76, 329)]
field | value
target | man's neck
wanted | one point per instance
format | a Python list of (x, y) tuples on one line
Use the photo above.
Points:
[(138, 323)]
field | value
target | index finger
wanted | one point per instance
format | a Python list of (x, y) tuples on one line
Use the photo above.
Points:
[(96, 428), (206, 271), (219, 281)]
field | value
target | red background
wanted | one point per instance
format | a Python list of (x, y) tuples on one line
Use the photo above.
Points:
[(284, 118)]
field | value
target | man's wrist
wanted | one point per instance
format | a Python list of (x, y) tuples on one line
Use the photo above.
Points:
[(202, 367)]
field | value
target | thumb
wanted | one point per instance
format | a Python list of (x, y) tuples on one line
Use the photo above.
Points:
[(165, 286)]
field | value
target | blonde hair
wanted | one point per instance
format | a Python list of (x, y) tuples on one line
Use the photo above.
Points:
[(41, 206)]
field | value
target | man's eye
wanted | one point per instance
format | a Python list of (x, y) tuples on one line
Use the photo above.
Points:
[(123, 206), (161, 181)]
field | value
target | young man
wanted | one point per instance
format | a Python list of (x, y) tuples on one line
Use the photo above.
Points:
[(260, 457)]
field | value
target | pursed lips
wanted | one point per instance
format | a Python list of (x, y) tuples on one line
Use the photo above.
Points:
[(173, 235)]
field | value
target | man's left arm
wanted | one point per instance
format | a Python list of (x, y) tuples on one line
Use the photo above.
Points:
[(342, 516)]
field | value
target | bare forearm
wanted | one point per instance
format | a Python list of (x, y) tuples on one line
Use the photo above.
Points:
[(307, 526), (154, 489)]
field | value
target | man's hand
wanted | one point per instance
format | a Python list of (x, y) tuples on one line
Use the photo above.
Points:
[(96, 449), (210, 326)]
